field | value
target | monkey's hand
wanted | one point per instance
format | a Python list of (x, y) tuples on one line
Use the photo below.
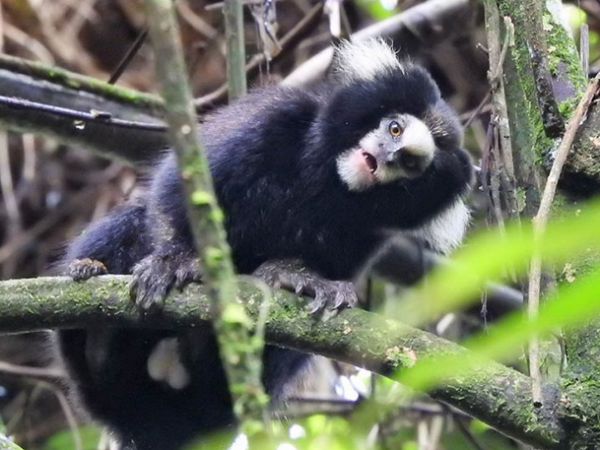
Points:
[(155, 276), (293, 276), (86, 268)]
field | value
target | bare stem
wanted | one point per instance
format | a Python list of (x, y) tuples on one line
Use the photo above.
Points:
[(236, 53), (541, 219)]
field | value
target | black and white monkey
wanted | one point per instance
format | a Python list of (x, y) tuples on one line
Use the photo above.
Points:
[(312, 182)]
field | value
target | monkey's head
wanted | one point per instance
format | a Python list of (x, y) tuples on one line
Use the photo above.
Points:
[(402, 146), (387, 121)]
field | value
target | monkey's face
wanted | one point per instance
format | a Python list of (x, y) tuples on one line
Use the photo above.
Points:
[(402, 146)]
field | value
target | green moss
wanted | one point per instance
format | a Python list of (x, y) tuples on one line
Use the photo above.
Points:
[(400, 357), (77, 81), (563, 56), (525, 116), (579, 407)]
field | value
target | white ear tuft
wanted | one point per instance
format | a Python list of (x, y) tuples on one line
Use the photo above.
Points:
[(364, 60)]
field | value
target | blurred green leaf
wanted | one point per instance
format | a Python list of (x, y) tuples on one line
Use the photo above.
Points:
[(378, 9), (488, 255), (63, 440)]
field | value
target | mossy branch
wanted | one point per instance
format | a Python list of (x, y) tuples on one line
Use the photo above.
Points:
[(70, 101), (493, 393), (240, 350), (544, 82)]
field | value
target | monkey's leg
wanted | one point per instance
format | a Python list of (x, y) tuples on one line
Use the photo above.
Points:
[(293, 275), (149, 387), (112, 245), (92, 356)]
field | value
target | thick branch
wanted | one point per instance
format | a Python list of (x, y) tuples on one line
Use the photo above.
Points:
[(543, 70), (421, 26), (54, 87), (494, 393)]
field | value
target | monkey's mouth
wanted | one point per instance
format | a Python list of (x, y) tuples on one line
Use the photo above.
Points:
[(371, 161)]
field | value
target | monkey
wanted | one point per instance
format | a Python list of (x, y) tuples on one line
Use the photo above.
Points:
[(312, 182)]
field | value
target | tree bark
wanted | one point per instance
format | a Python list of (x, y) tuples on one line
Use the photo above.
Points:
[(494, 393)]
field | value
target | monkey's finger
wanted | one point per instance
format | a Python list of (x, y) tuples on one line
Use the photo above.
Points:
[(86, 268)]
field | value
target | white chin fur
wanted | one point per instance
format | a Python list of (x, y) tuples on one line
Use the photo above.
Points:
[(445, 232), (364, 60), (353, 170)]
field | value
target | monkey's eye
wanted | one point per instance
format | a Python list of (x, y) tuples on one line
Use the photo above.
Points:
[(395, 129)]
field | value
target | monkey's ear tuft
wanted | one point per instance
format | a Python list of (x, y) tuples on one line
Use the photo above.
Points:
[(357, 61)]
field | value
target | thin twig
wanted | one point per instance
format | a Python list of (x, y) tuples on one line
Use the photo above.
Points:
[(288, 42), (471, 116), (497, 56), (195, 21), (68, 412), (236, 52), (541, 219), (46, 374), (131, 52), (584, 47), (467, 433), (7, 186)]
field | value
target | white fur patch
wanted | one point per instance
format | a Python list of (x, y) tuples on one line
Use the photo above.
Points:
[(164, 364), (364, 60), (352, 172), (445, 231), (417, 137)]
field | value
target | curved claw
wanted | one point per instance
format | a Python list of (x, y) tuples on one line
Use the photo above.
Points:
[(292, 276), (156, 275), (318, 304), (335, 294), (346, 295), (188, 272)]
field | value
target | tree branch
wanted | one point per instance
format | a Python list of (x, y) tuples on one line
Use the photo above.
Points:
[(52, 87), (423, 25), (493, 393)]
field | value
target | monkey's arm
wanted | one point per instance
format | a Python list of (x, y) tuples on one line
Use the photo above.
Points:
[(173, 261), (112, 245)]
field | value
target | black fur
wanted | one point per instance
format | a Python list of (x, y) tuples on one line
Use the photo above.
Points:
[(273, 160)]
